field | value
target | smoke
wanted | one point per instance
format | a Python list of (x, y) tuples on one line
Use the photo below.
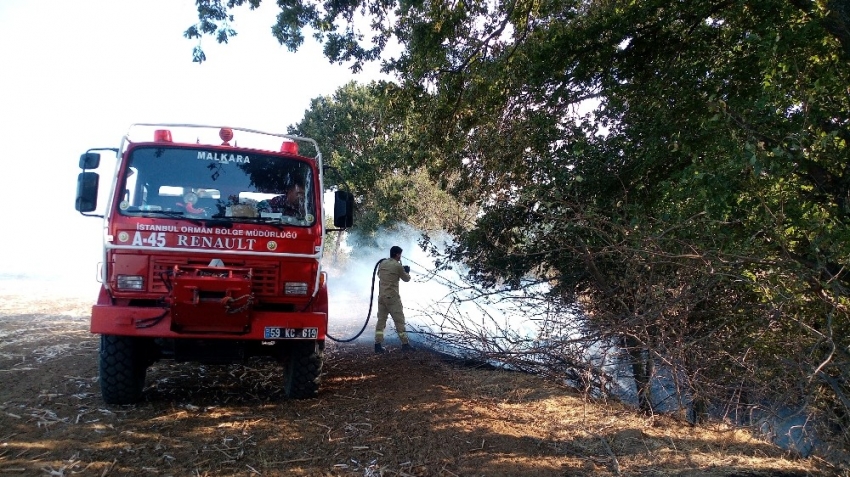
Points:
[(524, 328), (350, 281), (442, 307)]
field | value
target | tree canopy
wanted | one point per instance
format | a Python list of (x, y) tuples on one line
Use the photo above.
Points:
[(679, 168), (372, 152)]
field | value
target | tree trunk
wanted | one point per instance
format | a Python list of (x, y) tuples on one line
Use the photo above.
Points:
[(642, 369)]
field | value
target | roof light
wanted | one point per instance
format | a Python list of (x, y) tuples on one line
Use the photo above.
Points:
[(226, 134), (289, 147), (162, 135)]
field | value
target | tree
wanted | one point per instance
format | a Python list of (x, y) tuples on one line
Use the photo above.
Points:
[(698, 209), (372, 153)]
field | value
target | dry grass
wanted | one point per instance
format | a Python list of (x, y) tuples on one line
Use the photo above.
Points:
[(388, 415)]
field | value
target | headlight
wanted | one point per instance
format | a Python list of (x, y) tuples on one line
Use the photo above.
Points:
[(295, 288), (130, 282)]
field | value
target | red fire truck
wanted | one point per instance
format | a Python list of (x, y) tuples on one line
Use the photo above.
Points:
[(213, 239)]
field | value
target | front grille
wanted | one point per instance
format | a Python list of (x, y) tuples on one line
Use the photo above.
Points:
[(264, 280)]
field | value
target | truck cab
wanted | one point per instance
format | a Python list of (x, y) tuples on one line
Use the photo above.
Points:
[(213, 239)]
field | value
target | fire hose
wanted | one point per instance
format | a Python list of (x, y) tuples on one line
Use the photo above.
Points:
[(227, 302), (368, 313)]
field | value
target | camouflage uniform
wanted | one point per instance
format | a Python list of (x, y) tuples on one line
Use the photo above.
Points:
[(389, 302)]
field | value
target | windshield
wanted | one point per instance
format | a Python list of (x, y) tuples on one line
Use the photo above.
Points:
[(228, 185)]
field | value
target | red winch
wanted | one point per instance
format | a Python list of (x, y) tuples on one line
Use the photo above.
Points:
[(211, 299)]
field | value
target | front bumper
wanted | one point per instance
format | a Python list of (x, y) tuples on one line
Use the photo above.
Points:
[(157, 323)]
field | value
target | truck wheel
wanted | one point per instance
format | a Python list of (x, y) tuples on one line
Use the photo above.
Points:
[(302, 371), (122, 369)]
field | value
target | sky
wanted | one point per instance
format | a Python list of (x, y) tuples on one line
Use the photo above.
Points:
[(76, 75)]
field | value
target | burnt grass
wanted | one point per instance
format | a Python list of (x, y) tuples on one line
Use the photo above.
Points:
[(376, 415)]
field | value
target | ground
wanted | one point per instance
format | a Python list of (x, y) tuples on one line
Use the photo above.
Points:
[(394, 414)]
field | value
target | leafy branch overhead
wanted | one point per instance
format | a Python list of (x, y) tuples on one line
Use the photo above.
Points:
[(332, 23)]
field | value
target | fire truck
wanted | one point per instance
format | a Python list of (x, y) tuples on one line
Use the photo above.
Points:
[(213, 239)]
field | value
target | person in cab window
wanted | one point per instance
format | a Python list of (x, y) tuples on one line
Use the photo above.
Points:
[(291, 202)]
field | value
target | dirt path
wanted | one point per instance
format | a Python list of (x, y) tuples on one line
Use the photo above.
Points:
[(396, 414)]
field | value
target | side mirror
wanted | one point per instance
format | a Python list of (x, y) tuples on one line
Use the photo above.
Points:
[(343, 209), (89, 160), (87, 183)]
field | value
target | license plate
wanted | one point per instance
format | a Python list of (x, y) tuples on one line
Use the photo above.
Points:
[(275, 333)]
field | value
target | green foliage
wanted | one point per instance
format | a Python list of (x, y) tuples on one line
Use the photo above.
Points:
[(373, 153), (343, 42), (681, 169), (214, 19)]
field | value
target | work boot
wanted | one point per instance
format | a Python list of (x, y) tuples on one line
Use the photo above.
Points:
[(406, 347), (379, 349)]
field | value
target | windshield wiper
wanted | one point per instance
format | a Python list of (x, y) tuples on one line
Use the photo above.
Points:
[(274, 222), (172, 213)]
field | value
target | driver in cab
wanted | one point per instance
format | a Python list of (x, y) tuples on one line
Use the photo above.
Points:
[(291, 203)]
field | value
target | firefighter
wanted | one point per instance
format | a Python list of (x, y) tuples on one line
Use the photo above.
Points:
[(390, 271)]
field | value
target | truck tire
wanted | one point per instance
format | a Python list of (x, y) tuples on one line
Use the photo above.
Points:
[(302, 371), (123, 366)]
